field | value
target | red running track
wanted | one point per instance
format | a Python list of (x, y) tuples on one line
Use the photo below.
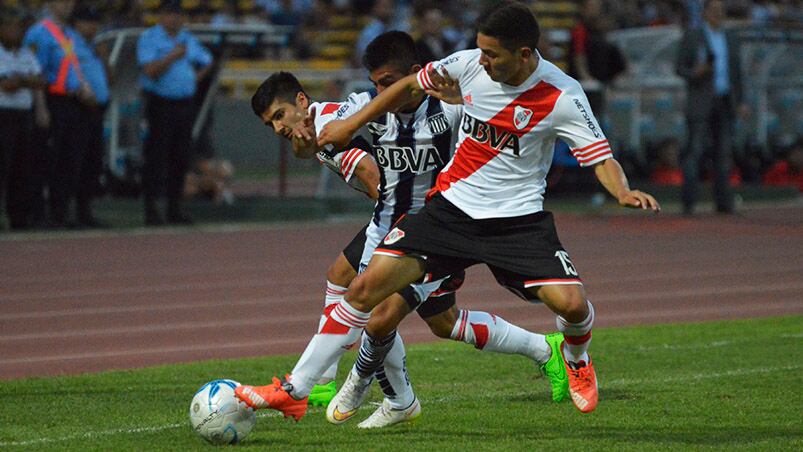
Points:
[(73, 303)]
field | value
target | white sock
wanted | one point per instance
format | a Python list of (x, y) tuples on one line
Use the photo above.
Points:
[(393, 377), (334, 294), (341, 330), (494, 334), (577, 336)]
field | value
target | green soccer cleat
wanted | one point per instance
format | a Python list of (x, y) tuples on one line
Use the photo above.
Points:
[(555, 369), (321, 395)]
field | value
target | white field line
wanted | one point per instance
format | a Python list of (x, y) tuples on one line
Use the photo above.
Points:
[(439, 400), (120, 431), (712, 344)]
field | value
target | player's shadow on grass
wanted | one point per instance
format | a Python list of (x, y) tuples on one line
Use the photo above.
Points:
[(617, 394)]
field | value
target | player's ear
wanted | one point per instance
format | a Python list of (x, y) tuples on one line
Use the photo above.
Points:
[(526, 52), (302, 100), (414, 69)]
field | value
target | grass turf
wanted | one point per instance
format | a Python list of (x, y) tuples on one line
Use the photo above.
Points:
[(721, 385)]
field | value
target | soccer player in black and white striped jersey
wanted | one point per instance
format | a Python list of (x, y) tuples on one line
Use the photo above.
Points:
[(410, 146)]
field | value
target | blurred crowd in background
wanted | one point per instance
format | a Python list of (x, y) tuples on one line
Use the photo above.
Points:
[(61, 132)]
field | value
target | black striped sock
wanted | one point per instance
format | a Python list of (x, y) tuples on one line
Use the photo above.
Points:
[(372, 354)]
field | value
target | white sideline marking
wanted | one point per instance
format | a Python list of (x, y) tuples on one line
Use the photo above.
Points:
[(124, 431), (710, 344), (619, 382)]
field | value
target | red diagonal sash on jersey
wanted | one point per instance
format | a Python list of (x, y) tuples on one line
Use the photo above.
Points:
[(540, 99), (330, 107), (471, 155)]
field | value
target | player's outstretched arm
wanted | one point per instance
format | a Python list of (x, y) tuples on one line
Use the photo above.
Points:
[(612, 177), (339, 133), (368, 174)]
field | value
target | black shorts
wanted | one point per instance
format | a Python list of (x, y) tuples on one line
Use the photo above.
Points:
[(353, 251), (522, 252), (440, 301)]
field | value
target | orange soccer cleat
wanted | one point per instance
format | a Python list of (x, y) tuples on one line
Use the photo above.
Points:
[(273, 396), (582, 384)]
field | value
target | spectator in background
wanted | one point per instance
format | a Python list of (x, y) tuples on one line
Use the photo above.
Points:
[(211, 179), (21, 92), (694, 13), (592, 60), (381, 20), (172, 62), (225, 16), (299, 7), (788, 171), (87, 22), (432, 44), (762, 12), (710, 65), (290, 13), (56, 45), (666, 170)]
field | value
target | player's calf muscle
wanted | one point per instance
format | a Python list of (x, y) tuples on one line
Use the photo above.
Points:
[(441, 324)]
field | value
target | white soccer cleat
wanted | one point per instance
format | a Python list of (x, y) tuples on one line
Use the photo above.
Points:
[(385, 416), (348, 400)]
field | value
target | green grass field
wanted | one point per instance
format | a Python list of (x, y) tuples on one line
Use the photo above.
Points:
[(724, 385)]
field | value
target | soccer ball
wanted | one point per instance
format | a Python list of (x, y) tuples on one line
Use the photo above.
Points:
[(218, 416)]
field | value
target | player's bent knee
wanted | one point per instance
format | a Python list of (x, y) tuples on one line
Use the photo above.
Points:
[(574, 304), (568, 301), (358, 295)]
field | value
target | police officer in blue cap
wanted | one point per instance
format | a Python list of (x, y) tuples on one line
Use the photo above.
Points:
[(172, 62), (87, 22)]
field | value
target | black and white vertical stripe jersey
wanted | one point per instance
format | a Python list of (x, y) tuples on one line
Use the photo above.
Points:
[(410, 149)]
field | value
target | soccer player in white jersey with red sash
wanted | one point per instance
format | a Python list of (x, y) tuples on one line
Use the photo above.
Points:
[(487, 203), (424, 125)]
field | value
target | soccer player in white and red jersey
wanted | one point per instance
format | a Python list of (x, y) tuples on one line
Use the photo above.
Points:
[(424, 125), (487, 203)]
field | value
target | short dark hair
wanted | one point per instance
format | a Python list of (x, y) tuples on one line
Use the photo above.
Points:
[(512, 23), (280, 85), (396, 47)]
